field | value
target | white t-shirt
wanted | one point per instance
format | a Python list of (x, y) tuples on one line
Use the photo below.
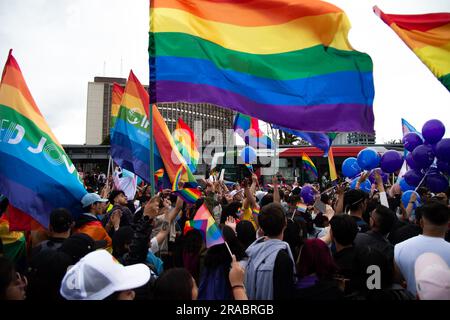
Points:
[(406, 253)]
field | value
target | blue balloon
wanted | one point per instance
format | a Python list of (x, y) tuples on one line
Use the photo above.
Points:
[(365, 186), (368, 159), (407, 195), (350, 167), (248, 154), (404, 186)]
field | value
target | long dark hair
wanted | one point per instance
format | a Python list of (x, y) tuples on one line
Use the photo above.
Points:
[(174, 284)]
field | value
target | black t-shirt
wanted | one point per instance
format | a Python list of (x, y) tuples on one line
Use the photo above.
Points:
[(344, 259), (50, 244), (404, 233), (283, 276), (362, 225)]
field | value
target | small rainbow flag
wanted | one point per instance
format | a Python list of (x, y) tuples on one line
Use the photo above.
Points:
[(255, 211), (249, 167), (194, 224), (309, 165), (186, 143), (159, 174), (248, 129), (189, 195), (301, 207), (427, 35), (211, 231), (331, 165)]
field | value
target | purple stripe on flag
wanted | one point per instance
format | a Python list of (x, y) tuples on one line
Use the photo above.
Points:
[(344, 117)]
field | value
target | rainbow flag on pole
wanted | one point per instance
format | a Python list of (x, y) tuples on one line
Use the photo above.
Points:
[(189, 195), (248, 129), (309, 165), (428, 36), (285, 62), (211, 231), (116, 99), (36, 175), (331, 165), (186, 143)]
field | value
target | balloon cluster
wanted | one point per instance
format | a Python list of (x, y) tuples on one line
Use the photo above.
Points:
[(369, 159), (429, 158)]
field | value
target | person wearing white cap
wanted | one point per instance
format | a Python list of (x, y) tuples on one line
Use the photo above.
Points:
[(99, 276), (432, 277)]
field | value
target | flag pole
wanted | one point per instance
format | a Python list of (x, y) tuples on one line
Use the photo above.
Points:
[(152, 165)]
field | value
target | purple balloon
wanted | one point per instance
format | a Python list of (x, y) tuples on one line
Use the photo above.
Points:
[(413, 177), (437, 183), (433, 131), (443, 150), (391, 161), (308, 193), (411, 141), (423, 156), (410, 161), (443, 166)]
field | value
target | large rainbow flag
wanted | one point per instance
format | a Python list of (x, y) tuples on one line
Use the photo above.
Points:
[(248, 129), (188, 194), (309, 165), (186, 143), (282, 61), (428, 36), (36, 175), (332, 165), (130, 142), (210, 229)]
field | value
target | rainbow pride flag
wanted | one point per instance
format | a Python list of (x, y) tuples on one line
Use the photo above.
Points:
[(302, 207), (428, 36), (116, 99), (249, 166), (210, 230), (130, 139), (332, 165), (248, 129), (189, 195), (192, 224), (186, 143), (36, 175), (282, 61), (309, 165)]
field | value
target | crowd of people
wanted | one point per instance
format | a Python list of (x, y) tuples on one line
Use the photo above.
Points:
[(348, 245)]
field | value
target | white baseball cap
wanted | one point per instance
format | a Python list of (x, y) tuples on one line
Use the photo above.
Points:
[(99, 274), (432, 277)]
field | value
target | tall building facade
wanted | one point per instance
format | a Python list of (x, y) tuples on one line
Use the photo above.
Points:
[(200, 116), (360, 138)]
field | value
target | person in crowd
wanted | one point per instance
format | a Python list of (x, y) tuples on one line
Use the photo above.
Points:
[(176, 284), (355, 202), (89, 223), (120, 204), (434, 222), (270, 266), (381, 221), (408, 230), (246, 233), (236, 278), (343, 232), (98, 276), (61, 223), (315, 272), (12, 284), (80, 244)]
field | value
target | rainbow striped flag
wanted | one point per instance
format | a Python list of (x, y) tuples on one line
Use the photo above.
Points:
[(331, 165), (249, 167), (248, 129), (130, 139), (189, 195), (192, 224), (116, 99), (309, 165), (428, 36), (186, 143), (285, 62), (210, 230), (159, 174), (36, 175), (302, 207)]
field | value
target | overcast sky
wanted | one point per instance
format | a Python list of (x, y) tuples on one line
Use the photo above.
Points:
[(61, 45)]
